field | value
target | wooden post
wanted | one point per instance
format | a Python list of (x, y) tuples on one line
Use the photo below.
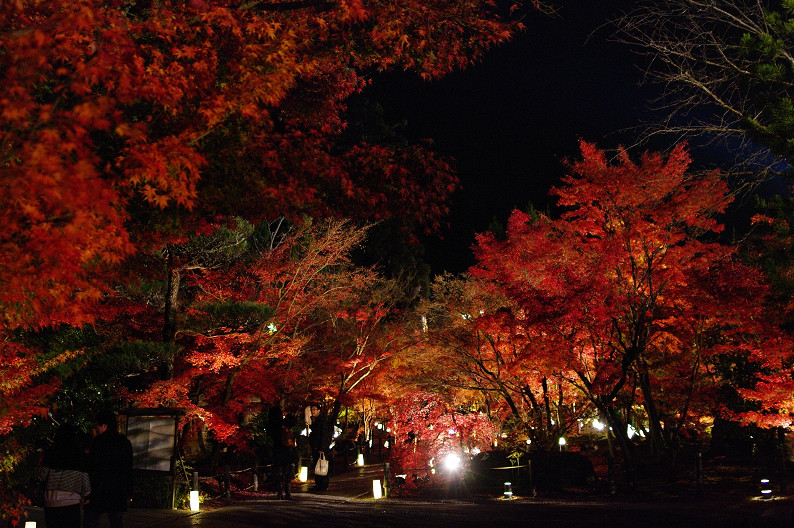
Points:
[(699, 472), (532, 491), (611, 473), (386, 479)]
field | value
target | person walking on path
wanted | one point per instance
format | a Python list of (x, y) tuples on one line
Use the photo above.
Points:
[(285, 454), (66, 483), (320, 441), (110, 469)]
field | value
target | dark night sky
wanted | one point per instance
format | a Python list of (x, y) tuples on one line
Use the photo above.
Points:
[(509, 120)]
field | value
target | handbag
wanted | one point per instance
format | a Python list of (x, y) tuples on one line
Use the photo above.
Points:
[(321, 468)]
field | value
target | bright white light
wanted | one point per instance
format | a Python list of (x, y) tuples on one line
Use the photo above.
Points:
[(631, 432), (766, 490), (361, 459), (30, 524), (303, 474), (305, 432), (452, 462), (271, 328), (194, 502), (529, 441), (475, 451), (386, 444), (377, 491), (598, 425), (561, 441)]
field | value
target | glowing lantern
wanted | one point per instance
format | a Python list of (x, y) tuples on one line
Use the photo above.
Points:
[(377, 491), (194, 500)]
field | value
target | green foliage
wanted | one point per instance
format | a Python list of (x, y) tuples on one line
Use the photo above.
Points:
[(261, 441), (237, 315), (771, 245), (152, 490), (766, 58), (220, 248), (267, 235)]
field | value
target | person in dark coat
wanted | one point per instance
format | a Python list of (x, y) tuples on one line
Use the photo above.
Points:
[(110, 470), (66, 483), (285, 454), (320, 442)]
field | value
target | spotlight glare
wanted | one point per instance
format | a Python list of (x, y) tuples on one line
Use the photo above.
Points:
[(452, 462)]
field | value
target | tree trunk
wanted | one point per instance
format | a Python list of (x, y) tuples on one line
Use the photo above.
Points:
[(169, 322), (547, 405)]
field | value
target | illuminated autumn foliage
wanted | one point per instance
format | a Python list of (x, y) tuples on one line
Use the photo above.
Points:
[(427, 429), (132, 126), (175, 177), (110, 105), (631, 290)]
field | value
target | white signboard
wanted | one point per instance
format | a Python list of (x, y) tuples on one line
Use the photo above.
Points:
[(152, 439)]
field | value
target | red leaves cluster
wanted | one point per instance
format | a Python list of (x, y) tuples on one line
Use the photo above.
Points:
[(426, 428), (627, 285), (114, 113), (106, 102)]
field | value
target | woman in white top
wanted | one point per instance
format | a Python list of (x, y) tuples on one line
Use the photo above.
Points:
[(66, 484)]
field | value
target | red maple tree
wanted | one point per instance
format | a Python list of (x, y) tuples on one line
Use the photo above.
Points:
[(131, 124), (631, 289)]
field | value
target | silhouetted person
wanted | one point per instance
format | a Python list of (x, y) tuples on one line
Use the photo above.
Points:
[(320, 442), (66, 483), (110, 469), (285, 455)]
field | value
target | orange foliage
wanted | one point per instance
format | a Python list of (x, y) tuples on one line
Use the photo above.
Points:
[(628, 289), (112, 113)]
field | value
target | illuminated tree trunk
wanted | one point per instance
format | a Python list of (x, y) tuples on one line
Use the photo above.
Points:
[(170, 316)]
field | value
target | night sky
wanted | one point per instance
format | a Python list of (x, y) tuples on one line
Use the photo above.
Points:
[(510, 120)]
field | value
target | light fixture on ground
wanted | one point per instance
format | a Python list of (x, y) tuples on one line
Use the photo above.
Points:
[(766, 488), (377, 491), (30, 524), (361, 459), (194, 500), (508, 494), (303, 474)]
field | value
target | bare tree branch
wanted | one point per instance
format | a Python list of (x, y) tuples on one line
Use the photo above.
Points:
[(712, 91)]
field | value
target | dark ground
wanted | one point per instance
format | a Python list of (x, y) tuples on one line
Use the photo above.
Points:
[(729, 496)]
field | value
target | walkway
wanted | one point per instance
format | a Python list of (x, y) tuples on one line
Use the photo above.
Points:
[(355, 484), (348, 504)]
